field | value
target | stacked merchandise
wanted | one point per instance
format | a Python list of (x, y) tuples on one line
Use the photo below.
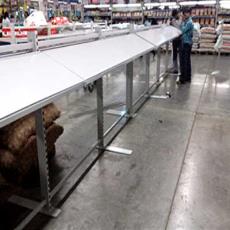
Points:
[(196, 36), (128, 14), (226, 38), (207, 39), (18, 146), (97, 13), (161, 15), (98, 1)]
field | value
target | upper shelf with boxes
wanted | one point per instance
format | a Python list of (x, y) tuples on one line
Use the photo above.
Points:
[(98, 13), (224, 14), (205, 16), (161, 15), (206, 13), (127, 13)]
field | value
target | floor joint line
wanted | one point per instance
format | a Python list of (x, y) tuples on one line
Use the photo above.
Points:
[(185, 153)]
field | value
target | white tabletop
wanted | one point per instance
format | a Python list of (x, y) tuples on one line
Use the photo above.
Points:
[(31, 81), (160, 35), (91, 60)]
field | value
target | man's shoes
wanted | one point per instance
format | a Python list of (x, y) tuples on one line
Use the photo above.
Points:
[(173, 71), (180, 82)]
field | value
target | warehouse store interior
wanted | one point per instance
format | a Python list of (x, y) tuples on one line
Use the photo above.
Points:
[(114, 115)]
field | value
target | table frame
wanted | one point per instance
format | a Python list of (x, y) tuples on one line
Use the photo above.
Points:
[(45, 205)]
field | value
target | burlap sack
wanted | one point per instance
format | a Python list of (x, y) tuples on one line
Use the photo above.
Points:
[(17, 167), (6, 190), (207, 45), (211, 37), (15, 135), (208, 30)]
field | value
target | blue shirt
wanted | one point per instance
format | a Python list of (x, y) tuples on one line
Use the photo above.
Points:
[(187, 31)]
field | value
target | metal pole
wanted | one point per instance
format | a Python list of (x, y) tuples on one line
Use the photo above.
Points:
[(49, 30), (42, 157), (100, 116), (13, 34), (82, 12), (217, 11), (158, 64), (32, 37), (167, 57), (129, 89), (147, 72), (111, 6), (142, 11)]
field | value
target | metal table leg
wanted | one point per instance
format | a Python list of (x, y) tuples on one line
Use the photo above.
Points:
[(44, 177), (100, 124), (100, 117), (129, 90), (160, 77), (167, 57), (147, 73), (158, 70), (129, 95), (42, 157)]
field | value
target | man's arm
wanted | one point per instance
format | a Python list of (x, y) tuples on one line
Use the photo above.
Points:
[(187, 27)]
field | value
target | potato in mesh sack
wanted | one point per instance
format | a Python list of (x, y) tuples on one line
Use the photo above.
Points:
[(17, 167), (6, 190), (15, 135)]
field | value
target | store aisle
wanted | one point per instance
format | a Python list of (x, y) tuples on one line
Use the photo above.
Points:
[(202, 200), (153, 188)]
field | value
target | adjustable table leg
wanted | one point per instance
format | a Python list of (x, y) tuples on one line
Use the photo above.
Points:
[(129, 90), (100, 116), (100, 124)]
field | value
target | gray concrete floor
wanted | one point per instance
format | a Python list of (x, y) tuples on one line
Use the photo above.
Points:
[(178, 174)]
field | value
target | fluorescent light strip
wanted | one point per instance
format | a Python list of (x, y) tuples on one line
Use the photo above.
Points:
[(126, 5), (206, 2), (192, 3), (168, 4), (225, 5), (93, 6), (152, 4), (62, 2)]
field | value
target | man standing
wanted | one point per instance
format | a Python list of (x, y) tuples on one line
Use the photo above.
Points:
[(175, 21), (186, 46)]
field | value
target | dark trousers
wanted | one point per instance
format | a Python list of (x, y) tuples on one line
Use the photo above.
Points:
[(175, 45), (185, 62)]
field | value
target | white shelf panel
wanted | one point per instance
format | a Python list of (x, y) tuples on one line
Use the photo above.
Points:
[(91, 60), (29, 82), (159, 36)]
